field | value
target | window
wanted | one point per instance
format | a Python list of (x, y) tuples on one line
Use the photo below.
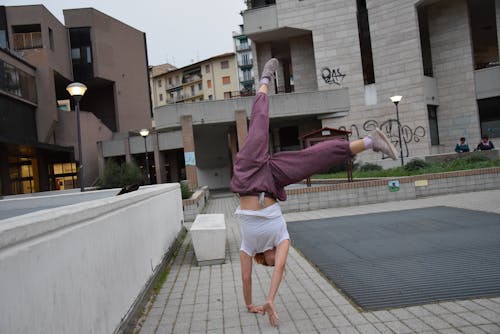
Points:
[(177, 80), (247, 75), (192, 90), (51, 39), (226, 80), (210, 97), (161, 97), (209, 83), (245, 60), (365, 43), (483, 28), (17, 82), (224, 64), (227, 95), (159, 83), (489, 118), (425, 41), (207, 68), (200, 86), (170, 81), (433, 124)]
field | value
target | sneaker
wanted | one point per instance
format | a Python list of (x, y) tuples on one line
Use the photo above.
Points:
[(382, 144), (269, 68)]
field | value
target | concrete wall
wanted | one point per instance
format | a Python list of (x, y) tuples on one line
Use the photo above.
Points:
[(115, 46), (304, 68), (451, 48), (79, 268)]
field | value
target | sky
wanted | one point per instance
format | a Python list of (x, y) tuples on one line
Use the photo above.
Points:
[(178, 32)]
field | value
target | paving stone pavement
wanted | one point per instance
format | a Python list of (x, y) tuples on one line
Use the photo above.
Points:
[(208, 299)]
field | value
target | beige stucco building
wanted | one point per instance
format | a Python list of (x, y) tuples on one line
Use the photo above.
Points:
[(211, 79)]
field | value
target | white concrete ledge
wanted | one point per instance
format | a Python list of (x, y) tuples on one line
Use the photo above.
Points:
[(80, 268), (208, 233)]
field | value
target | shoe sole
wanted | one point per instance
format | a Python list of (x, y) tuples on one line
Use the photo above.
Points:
[(387, 141)]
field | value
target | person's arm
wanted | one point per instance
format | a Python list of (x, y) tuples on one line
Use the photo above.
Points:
[(457, 148), (279, 267), (246, 278)]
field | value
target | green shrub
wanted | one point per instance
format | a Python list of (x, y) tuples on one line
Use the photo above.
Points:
[(186, 192), (119, 176), (369, 167), (416, 164)]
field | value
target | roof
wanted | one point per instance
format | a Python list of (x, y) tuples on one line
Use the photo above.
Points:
[(223, 55), (161, 69)]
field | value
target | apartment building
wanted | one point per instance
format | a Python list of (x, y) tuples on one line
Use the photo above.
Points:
[(340, 62), (39, 57), (243, 49), (211, 79)]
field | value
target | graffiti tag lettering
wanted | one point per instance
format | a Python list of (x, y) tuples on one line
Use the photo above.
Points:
[(390, 128), (332, 76)]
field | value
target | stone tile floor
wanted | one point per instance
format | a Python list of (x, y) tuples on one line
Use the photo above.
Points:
[(208, 299)]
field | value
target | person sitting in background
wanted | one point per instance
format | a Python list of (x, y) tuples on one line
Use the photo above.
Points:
[(485, 144), (462, 146)]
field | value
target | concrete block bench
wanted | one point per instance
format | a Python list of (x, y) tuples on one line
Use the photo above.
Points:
[(208, 233)]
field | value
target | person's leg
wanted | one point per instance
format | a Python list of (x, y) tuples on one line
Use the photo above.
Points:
[(293, 166), (256, 146)]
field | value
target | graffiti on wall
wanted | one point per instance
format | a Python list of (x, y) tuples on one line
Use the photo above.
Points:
[(390, 128), (332, 76)]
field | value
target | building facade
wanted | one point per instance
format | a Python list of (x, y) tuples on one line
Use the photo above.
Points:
[(211, 79), (340, 62), (40, 56), (243, 49)]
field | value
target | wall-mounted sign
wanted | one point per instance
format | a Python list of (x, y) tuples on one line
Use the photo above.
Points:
[(394, 185), (189, 159), (421, 183)]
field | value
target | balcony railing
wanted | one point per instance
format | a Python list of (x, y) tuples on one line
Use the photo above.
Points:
[(245, 63), (28, 40), (242, 47)]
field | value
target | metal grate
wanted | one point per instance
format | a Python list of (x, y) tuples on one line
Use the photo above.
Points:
[(403, 258)]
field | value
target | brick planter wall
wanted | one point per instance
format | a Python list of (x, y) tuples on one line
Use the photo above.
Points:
[(193, 206), (375, 191)]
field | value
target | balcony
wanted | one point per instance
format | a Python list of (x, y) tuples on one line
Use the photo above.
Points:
[(243, 47), (245, 64), (247, 81), (328, 103), (28, 40), (487, 82), (260, 19)]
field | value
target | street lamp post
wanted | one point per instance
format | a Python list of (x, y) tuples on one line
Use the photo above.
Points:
[(77, 90), (396, 99), (144, 133)]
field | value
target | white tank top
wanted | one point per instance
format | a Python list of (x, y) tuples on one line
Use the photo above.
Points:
[(261, 229)]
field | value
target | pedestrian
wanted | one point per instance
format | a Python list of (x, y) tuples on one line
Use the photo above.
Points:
[(259, 179), (462, 146), (485, 144)]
